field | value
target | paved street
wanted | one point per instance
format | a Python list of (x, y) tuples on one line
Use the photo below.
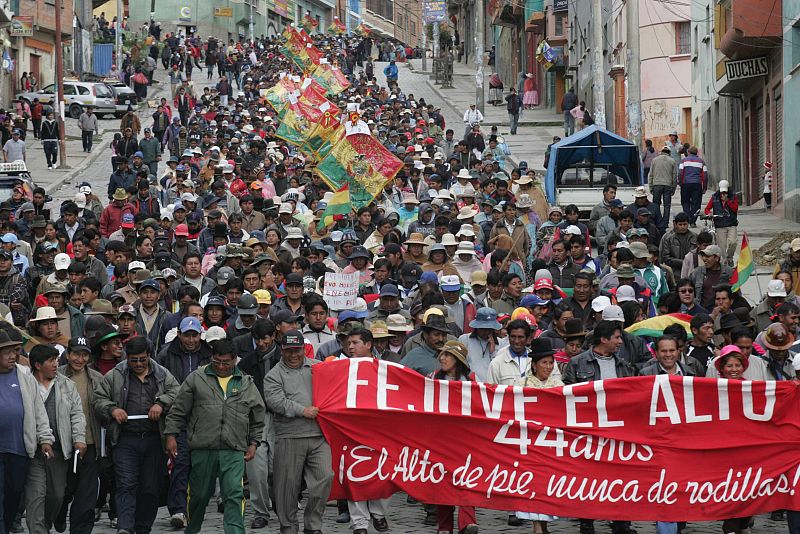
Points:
[(407, 519)]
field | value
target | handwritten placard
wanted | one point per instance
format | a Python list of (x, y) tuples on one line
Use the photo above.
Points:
[(340, 290)]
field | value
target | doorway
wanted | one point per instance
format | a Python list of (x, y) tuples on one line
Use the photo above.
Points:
[(34, 68)]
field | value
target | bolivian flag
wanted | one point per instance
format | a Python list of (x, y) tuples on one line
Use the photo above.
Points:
[(744, 267), (331, 78), (654, 327), (337, 209), (364, 162), (337, 28)]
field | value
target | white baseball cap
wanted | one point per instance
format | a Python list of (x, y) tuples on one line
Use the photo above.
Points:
[(775, 288), (613, 313), (61, 261), (626, 294), (600, 303)]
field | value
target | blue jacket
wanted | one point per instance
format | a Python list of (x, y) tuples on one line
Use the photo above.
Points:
[(692, 170)]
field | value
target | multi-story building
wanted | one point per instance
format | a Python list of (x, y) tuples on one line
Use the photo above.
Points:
[(36, 53), (790, 166)]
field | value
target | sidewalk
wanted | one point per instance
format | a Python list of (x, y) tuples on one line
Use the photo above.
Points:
[(77, 160), (536, 127)]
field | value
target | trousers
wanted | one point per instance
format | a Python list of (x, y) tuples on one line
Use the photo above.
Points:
[(362, 511), (726, 239), (444, 517), (662, 194), (513, 119), (208, 466), (13, 473), (298, 459), (50, 151), (86, 137), (691, 196), (139, 463), (569, 123), (82, 488), (179, 478), (44, 490), (258, 471)]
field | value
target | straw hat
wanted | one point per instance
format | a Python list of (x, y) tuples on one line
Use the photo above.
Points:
[(467, 212), (465, 247), (379, 330), (397, 323), (415, 239), (456, 349), (45, 313)]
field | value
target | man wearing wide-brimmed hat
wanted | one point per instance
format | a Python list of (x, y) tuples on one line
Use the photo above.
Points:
[(422, 358)]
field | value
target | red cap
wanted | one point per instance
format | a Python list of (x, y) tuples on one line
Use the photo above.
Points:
[(182, 229), (429, 140), (542, 283)]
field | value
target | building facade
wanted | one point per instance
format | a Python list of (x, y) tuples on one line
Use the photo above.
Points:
[(790, 166)]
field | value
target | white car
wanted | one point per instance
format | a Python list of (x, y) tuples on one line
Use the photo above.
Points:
[(77, 95)]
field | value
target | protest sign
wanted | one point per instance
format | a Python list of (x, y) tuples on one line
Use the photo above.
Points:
[(340, 290), (665, 448)]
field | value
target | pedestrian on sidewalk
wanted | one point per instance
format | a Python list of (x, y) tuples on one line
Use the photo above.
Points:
[(662, 183), (725, 207), (472, 117), (569, 101), (49, 136), (530, 98), (768, 185), (514, 108), (692, 175), (14, 149), (89, 126), (36, 118)]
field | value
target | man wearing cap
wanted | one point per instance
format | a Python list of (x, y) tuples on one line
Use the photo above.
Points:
[(222, 412), (712, 273), (136, 386), (422, 358), (776, 295), (26, 431), (13, 290), (301, 452), (791, 264), (246, 314), (652, 274), (149, 314), (14, 149), (47, 474), (181, 357), (82, 486), (292, 302), (460, 311), (388, 303)]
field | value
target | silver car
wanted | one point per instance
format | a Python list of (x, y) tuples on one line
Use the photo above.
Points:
[(76, 96)]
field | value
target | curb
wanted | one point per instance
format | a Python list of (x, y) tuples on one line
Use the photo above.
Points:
[(82, 166)]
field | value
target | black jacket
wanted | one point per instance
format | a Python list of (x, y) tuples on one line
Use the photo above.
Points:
[(175, 358), (584, 368), (254, 364)]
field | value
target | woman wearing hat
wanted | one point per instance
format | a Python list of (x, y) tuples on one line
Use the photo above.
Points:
[(438, 261), (359, 262), (504, 257), (215, 313), (544, 236), (452, 358), (415, 249), (574, 337), (43, 328)]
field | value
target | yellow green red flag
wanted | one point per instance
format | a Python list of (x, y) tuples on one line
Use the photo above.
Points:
[(744, 267)]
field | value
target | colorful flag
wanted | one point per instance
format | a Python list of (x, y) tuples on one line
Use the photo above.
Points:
[(336, 27), (362, 30), (362, 161), (309, 23), (338, 207), (331, 78), (744, 267), (654, 327)]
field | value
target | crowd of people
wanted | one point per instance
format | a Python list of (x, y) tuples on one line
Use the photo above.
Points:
[(178, 313)]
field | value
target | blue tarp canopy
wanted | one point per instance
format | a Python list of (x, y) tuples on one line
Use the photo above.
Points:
[(594, 157)]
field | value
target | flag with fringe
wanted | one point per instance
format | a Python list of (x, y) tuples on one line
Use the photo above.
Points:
[(362, 161), (336, 27)]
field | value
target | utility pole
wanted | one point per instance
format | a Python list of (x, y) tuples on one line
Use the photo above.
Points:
[(479, 24), (598, 72), (59, 53), (118, 40), (634, 104), (424, 47), (252, 37), (435, 40)]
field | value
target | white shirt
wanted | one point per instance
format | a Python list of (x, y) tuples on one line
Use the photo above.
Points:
[(473, 116)]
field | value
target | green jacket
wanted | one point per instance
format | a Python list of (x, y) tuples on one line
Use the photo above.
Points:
[(151, 149), (94, 379), (112, 392), (217, 420)]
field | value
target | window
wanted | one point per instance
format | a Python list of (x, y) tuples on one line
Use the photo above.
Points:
[(69, 89), (413, 28), (83, 90), (795, 44), (559, 28), (708, 20), (683, 40)]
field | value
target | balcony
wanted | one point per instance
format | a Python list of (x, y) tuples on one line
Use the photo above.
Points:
[(755, 27)]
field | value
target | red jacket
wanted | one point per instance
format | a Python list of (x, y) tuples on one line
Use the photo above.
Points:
[(111, 218)]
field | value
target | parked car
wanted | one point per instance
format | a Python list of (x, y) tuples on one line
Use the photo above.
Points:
[(124, 96), (13, 174), (77, 95)]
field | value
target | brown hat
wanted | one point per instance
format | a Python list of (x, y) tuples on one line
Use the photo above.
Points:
[(379, 330), (101, 307), (436, 322), (415, 239), (140, 276), (457, 350)]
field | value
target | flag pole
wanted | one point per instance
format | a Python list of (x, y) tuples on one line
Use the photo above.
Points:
[(755, 270)]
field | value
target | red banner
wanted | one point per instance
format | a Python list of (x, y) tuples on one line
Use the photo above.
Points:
[(646, 448)]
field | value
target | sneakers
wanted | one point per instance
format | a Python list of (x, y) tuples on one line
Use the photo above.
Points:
[(258, 523), (343, 517), (514, 521), (470, 529), (178, 521), (430, 519)]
